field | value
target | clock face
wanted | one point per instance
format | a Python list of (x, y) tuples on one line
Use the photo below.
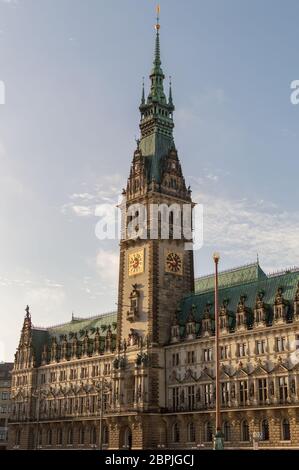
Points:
[(136, 263), (174, 263)]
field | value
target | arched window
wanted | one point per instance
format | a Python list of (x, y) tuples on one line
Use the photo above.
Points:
[(265, 430), (49, 437), (127, 439), (191, 432), (59, 437), (40, 437), (81, 435), (286, 432), (208, 432), (18, 437), (244, 431), (93, 435), (226, 431), (70, 437), (105, 435), (175, 433)]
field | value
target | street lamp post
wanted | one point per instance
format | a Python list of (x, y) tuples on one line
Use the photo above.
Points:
[(218, 439), (102, 388)]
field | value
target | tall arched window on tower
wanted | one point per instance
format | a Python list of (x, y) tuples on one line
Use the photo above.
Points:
[(40, 437), (18, 437), (191, 432), (93, 435), (286, 432), (226, 431), (245, 431), (127, 438), (81, 435), (176, 433), (105, 436), (265, 430), (59, 437), (208, 432), (49, 437), (70, 437)]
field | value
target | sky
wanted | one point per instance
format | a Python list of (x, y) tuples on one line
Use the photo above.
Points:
[(72, 71)]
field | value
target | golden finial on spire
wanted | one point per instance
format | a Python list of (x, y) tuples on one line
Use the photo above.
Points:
[(157, 26)]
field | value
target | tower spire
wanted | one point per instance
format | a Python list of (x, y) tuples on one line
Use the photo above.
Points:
[(156, 122), (142, 94), (157, 75), (157, 60), (170, 102)]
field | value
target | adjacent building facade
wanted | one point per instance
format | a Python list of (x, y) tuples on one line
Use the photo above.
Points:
[(143, 377), (5, 385)]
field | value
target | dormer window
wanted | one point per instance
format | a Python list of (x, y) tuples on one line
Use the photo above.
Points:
[(281, 307)]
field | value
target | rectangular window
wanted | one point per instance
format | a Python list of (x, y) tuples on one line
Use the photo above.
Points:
[(283, 389), (73, 374), (93, 403), (223, 352), (71, 405), (53, 377), (243, 392), (5, 395), (241, 349), (262, 387), (191, 397), (175, 359), (62, 376), (260, 346), (280, 344), (207, 354), (175, 398), (208, 394), (84, 372), (224, 393), (190, 357)]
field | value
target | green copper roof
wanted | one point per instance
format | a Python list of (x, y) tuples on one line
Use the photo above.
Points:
[(78, 326), (240, 275), (247, 281)]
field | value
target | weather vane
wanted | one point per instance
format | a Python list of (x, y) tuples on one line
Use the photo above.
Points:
[(158, 18)]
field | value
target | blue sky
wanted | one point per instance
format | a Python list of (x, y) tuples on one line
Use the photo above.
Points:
[(73, 71)]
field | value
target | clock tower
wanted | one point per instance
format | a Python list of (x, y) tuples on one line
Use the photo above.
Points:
[(156, 269)]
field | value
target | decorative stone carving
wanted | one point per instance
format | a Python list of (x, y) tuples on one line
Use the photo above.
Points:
[(133, 337), (133, 313)]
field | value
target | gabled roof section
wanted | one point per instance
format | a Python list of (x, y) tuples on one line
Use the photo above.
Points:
[(42, 336), (232, 277), (81, 325)]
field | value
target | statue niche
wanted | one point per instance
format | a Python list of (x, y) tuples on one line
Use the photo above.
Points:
[(133, 313)]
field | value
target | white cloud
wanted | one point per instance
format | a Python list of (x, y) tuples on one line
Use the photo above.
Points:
[(85, 204), (242, 228), (46, 303), (107, 266)]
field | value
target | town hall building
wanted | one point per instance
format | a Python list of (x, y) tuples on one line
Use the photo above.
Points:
[(144, 377)]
